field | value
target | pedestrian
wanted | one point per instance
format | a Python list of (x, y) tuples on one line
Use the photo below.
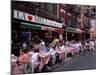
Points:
[(92, 47), (53, 53), (35, 60), (22, 61)]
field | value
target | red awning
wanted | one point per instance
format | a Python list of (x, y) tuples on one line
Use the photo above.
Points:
[(59, 30), (47, 28), (53, 29)]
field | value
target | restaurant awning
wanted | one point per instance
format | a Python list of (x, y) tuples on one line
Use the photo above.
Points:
[(48, 28), (52, 29), (74, 30), (37, 27), (59, 30), (32, 26)]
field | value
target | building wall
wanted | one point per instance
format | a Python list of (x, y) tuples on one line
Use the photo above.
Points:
[(45, 10), (62, 13), (75, 16), (78, 16)]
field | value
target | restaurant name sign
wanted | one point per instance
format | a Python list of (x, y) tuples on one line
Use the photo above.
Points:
[(35, 19)]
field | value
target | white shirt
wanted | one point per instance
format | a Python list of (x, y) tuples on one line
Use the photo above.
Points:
[(80, 44), (43, 43), (62, 47), (52, 51), (60, 37), (30, 53), (74, 45), (34, 58), (91, 43), (24, 45)]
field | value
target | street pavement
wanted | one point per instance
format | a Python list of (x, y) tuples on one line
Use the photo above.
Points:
[(82, 62)]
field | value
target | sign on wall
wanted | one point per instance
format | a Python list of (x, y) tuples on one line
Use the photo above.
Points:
[(35, 19)]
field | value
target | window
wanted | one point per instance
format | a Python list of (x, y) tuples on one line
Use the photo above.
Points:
[(69, 20), (42, 5), (55, 8), (74, 21), (62, 15), (51, 7)]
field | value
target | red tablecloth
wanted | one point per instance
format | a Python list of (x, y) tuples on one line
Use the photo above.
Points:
[(61, 54), (70, 49), (44, 60)]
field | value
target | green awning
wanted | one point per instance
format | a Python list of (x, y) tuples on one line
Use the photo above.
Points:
[(31, 26), (70, 29)]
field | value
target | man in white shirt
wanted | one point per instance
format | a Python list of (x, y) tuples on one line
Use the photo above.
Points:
[(91, 45), (33, 59)]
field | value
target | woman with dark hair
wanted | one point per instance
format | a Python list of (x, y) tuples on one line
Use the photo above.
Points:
[(23, 57)]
